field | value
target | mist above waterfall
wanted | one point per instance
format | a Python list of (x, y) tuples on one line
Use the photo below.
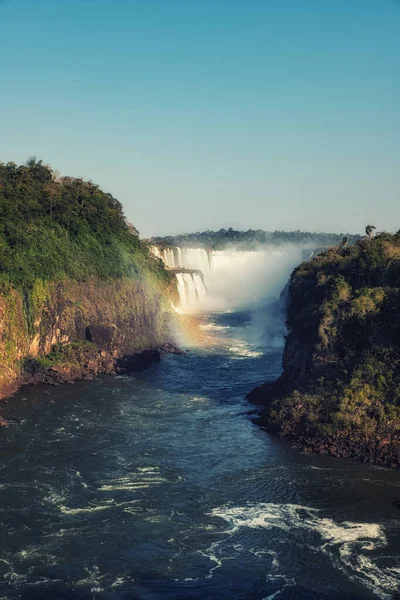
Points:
[(215, 280), (240, 279)]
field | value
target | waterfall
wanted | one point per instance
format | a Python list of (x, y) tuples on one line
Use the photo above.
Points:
[(229, 278), (192, 290), (197, 259)]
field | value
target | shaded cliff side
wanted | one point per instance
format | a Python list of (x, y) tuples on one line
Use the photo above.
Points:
[(79, 292), (339, 392)]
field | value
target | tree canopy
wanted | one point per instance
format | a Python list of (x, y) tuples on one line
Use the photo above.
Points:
[(52, 226), (251, 239)]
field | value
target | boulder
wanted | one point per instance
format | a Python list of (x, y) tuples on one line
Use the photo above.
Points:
[(108, 364), (101, 335), (138, 362)]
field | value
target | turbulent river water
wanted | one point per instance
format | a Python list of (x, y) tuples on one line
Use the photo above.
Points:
[(160, 486)]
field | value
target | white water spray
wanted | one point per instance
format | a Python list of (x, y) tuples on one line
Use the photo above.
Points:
[(229, 278)]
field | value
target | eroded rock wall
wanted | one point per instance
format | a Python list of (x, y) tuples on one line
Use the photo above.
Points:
[(121, 318)]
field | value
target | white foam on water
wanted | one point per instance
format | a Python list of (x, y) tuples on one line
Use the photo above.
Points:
[(274, 595), (36, 552), (110, 504), (348, 544), (211, 554), (93, 578), (198, 399), (89, 509), (214, 327), (314, 468), (241, 349), (120, 581), (55, 498), (79, 476), (148, 469), (133, 510), (129, 487), (143, 478), (284, 582), (16, 579)]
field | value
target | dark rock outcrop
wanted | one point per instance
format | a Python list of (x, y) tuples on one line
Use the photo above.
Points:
[(101, 335), (85, 362)]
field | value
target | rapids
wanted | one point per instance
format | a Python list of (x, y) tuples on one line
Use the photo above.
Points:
[(160, 486)]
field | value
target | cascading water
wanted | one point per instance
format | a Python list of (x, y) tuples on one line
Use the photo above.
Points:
[(191, 266), (191, 289), (231, 278), (197, 259)]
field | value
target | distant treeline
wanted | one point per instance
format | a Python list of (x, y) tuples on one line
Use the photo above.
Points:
[(251, 238)]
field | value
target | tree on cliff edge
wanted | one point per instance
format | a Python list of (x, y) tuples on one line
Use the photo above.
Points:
[(369, 230)]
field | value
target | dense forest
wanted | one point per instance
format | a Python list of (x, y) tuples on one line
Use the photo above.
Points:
[(53, 227), (251, 239), (342, 357)]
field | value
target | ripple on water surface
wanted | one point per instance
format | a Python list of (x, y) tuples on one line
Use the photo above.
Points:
[(159, 486)]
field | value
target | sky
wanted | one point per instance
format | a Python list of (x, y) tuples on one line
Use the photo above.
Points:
[(202, 114)]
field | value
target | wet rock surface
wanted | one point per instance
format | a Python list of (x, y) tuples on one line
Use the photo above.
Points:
[(88, 362), (383, 451)]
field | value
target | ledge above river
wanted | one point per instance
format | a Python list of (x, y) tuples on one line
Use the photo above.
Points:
[(340, 388)]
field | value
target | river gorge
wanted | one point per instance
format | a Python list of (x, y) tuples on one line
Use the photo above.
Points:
[(159, 484)]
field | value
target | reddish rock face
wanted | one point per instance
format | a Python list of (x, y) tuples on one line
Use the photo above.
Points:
[(121, 318)]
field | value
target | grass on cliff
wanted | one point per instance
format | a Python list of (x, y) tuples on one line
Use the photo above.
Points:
[(61, 355), (344, 320), (55, 227)]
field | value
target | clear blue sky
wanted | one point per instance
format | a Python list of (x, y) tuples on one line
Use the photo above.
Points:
[(195, 114)]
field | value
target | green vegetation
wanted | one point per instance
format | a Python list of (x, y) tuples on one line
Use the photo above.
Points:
[(247, 240), (70, 260), (54, 227), (369, 230), (71, 354), (342, 357)]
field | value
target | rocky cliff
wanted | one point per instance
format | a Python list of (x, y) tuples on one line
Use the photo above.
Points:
[(80, 293), (339, 392), (106, 322)]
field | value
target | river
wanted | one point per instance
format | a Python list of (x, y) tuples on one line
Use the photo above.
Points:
[(159, 485)]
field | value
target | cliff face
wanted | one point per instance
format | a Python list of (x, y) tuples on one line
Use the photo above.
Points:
[(340, 388), (80, 293), (115, 319)]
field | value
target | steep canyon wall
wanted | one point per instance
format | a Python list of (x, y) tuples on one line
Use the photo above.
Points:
[(117, 318)]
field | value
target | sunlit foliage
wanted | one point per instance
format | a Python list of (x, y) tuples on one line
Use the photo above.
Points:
[(342, 362), (53, 227)]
